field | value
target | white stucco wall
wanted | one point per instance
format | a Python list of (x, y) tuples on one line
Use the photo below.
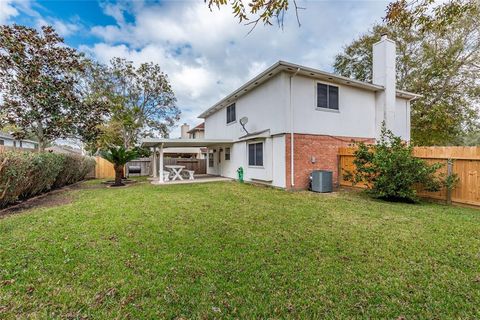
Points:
[(272, 172), (268, 107), (198, 135), (279, 162), (265, 106), (355, 117), (402, 119)]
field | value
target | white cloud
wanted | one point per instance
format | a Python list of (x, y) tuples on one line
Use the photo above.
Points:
[(63, 28), (115, 11), (208, 54), (7, 10)]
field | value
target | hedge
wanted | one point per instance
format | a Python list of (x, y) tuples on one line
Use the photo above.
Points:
[(26, 174)]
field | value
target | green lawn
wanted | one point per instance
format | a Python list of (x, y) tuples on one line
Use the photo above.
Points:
[(226, 250)]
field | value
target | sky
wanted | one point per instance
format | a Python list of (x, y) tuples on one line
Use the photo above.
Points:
[(206, 53)]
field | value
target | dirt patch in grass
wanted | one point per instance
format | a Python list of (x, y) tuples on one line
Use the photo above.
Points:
[(50, 199)]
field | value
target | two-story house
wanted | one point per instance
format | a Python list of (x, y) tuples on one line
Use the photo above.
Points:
[(197, 132), (291, 119)]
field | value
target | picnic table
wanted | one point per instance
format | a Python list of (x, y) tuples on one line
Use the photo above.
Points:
[(176, 169)]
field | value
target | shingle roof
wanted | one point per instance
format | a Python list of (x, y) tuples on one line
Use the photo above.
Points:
[(200, 127)]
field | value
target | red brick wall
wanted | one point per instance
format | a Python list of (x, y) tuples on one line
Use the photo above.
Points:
[(323, 148)]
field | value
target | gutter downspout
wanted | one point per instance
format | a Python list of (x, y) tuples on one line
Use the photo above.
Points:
[(292, 164)]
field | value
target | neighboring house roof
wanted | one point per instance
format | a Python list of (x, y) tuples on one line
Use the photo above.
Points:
[(200, 127), (300, 70), (64, 150), (5, 135)]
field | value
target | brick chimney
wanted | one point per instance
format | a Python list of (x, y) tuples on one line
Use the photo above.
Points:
[(384, 74)]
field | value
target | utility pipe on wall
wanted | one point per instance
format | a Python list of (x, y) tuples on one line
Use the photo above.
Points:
[(292, 164)]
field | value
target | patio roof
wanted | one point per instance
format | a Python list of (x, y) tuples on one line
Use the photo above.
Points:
[(253, 135), (153, 142)]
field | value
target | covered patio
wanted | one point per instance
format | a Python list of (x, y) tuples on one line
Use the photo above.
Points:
[(158, 164)]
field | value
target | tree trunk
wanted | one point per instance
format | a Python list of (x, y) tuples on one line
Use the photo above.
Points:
[(41, 146), (118, 175)]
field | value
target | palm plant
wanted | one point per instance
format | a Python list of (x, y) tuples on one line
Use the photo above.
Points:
[(119, 156)]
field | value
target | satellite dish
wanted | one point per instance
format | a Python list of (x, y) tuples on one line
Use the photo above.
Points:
[(244, 121)]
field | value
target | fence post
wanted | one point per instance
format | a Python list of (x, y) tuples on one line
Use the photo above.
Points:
[(339, 169), (449, 173)]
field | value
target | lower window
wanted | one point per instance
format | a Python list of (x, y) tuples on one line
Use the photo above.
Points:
[(255, 154), (210, 159)]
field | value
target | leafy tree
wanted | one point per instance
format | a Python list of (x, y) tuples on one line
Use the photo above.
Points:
[(42, 85), (438, 56), (391, 172), (471, 139), (119, 156), (142, 103), (253, 12)]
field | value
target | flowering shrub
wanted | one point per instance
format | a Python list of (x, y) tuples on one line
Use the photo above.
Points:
[(26, 174)]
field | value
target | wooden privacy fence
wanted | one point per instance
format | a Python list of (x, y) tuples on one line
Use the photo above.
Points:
[(103, 169), (143, 164), (464, 162)]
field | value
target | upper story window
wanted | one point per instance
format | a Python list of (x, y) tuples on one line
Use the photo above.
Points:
[(327, 96), (255, 154), (231, 113)]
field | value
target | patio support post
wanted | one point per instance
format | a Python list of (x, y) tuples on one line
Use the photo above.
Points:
[(160, 178), (154, 163)]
